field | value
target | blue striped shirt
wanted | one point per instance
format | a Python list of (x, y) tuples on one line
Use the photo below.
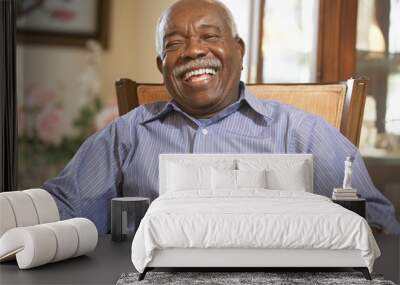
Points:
[(122, 159)]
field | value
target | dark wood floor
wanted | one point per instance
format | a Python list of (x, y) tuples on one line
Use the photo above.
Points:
[(389, 262)]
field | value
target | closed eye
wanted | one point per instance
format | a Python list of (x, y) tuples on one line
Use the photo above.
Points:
[(173, 45), (211, 37)]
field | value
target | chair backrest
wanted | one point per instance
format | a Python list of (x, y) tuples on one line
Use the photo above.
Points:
[(340, 103)]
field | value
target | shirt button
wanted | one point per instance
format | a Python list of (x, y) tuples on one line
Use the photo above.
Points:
[(204, 131)]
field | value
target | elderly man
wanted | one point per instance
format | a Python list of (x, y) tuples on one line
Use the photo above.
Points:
[(200, 56)]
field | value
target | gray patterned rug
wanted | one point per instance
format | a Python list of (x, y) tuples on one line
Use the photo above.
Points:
[(243, 278)]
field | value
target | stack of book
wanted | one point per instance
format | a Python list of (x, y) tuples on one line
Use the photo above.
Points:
[(344, 194)]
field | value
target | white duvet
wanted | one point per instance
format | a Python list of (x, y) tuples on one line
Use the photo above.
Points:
[(252, 218)]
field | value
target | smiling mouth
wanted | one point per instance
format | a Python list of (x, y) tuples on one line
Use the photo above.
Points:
[(198, 71), (199, 75)]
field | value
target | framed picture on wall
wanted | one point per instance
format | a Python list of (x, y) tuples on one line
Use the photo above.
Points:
[(62, 22)]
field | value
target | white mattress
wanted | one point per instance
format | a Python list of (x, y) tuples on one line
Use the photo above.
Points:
[(252, 218)]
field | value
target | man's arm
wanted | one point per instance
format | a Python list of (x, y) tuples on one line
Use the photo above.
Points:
[(86, 185), (330, 149)]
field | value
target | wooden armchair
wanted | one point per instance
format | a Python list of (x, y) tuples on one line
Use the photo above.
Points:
[(340, 103)]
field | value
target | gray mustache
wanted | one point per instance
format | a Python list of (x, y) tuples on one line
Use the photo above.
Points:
[(196, 64)]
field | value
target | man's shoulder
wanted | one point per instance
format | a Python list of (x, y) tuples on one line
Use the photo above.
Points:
[(295, 119), (303, 128), (282, 110)]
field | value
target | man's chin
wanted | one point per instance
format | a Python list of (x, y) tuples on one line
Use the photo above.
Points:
[(200, 105), (195, 86)]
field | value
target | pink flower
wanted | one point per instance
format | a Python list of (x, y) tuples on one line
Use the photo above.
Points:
[(50, 125), (63, 15), (38, 96), (106, 116)]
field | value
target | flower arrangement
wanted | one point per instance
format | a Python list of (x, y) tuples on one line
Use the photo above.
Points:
[(46, 140), (48, 134)]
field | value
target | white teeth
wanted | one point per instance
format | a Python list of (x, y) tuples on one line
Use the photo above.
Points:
[(199, 72)]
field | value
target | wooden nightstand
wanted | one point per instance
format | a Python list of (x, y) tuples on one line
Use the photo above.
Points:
[(357, 206)]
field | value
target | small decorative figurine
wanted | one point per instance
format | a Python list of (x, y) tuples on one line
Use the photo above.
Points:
[(348, 164), (347, 192)]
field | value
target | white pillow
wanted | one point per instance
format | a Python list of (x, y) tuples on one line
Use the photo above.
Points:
[(281, 174), (223, 179), (293, 178), (251, 178), (182, 177), (228, 179)]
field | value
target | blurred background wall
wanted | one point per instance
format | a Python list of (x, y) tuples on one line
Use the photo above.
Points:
[(65, 93), (66, 85)]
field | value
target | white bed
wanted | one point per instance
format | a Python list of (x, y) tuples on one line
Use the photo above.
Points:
[(199, 224)]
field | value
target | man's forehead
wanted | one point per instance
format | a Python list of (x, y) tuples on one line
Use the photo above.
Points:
[(202, 23), (200, 18), (187, 6)]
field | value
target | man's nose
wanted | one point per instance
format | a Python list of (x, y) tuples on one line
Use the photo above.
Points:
[(194, 49)]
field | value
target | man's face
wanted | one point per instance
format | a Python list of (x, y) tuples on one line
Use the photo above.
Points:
[(202, 60)]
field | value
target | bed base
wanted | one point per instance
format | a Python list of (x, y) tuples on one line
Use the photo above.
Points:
[(242, 259), (363, 270)]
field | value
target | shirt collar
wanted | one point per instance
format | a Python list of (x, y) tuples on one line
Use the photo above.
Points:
[(257, 105), (166, 109)]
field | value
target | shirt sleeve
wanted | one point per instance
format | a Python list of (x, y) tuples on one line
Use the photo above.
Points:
[(330, 149), (86, 185)]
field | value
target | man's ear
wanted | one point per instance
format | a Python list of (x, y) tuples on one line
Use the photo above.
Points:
[(241, 46), (159, 64)]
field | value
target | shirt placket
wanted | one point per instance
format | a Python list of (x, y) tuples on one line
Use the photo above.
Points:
[(202, 140)]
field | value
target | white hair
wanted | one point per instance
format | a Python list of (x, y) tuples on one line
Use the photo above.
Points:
[(161, 23)]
